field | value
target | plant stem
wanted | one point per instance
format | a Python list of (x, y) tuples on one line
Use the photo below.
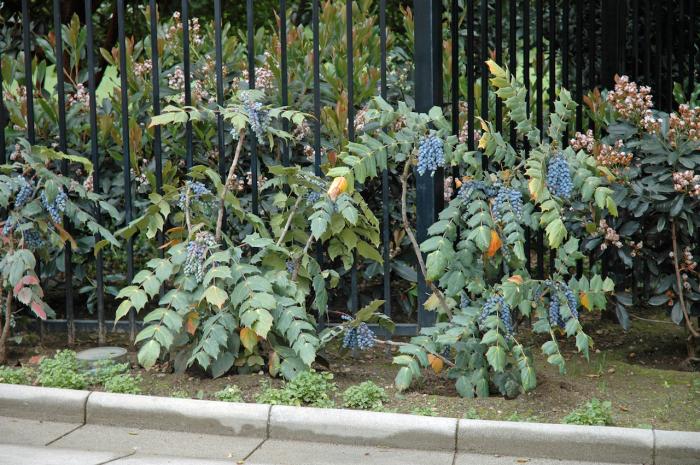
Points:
[(289, 220), (6, 327), (412, 238), (188, 220), (227, 182), (679, 283), (400, 344), (297, 262)]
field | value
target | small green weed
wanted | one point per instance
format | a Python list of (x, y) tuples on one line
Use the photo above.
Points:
[(106, 369), (472, 414), (593, 412), (61, 371), (123, 384), (308, 388), (229, 394), (424, 411), (15, 375), (180, 394), (365, 396)]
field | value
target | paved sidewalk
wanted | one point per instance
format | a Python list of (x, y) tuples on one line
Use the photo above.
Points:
[(31, 442)]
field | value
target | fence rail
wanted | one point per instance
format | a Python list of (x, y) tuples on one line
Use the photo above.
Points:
[(575, 43)]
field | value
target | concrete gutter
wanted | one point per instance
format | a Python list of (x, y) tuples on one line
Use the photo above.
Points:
[(339, 426)]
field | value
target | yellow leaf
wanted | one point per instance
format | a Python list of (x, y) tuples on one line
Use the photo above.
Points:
[(532, 185), (338, 186), (436, 363), (517, 279), (484, 140), (458, 183), (585, 301), (248, 338), (65, 236), (494, 245)]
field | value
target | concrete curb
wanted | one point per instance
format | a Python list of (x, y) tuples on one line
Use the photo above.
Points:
[(187, 415), (591, 443), (338, 426), (43, 404), (360, 427)]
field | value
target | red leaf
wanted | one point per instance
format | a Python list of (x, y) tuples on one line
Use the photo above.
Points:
[(38, 309), (28, 280)]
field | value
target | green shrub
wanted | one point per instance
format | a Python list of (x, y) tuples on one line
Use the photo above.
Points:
[(594, 412), (15, 375), (123, 384), (365, 396), (274, 396), (61, 371), (229, 394), (472, 414)]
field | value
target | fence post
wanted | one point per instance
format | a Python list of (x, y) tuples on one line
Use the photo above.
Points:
[(428, 88), (613, 29)]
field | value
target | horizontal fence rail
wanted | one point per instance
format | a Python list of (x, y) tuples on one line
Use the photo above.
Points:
[(578, 44)]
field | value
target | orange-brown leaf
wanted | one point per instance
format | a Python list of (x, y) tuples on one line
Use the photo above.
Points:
[(516, 278), (338, 186), (436, 363), (585, 301), (495, 244), (191, 322), (65, 236)]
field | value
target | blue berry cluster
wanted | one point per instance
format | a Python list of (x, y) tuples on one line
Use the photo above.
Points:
[(507, 195), (258, 118), (492, 304), (555, 318), (571, 300), (469, 187), (196, 189), (196, 254), (431, 155), (360, 337), (7, 227), (559, 177), (312, 197), (55, 208), (464, 301), (26, 191), (32, 239), (290, 266)]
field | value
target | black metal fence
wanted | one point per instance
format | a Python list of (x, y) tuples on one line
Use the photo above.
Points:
[(583, 43)]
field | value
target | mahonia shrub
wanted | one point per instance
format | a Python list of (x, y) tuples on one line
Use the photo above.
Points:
[(223, 302), (39, 207), (655, 158), (476, 265)]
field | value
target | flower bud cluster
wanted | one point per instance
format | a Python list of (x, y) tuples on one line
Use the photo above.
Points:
[(684, 125), (610, 235), (687, 182), (634, 103)]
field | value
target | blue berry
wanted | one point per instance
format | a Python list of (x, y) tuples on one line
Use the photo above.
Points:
[(32, 239), (7, 227), (464, 301), (290, 266), (507, 197), (26, 191), (571, 300), (555, 318), (197, 191), (494, 303), (361, 337), (312, 197), (431, 155), (55, 208), (258, 119), (559, 176), (197, 253), (469, 187)]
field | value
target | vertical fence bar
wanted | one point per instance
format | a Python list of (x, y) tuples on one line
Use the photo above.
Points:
[(512, 55), (188, 77), (526, 83), (317, 88), (428, 87), (28, 78), (579, 90), (354, 303), (659, 47), (669, 56), (3, 156), (552, 83), (284, 78), (539, 103), (471, 99), (499, 58), (454, 68), (691, 47), (484, 10), (635, 38), (63, 147), (591, 39), (128, 214), (250, 20), (647, 43), (155, 84), (96, 182), (386, 217), (218, 64)]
